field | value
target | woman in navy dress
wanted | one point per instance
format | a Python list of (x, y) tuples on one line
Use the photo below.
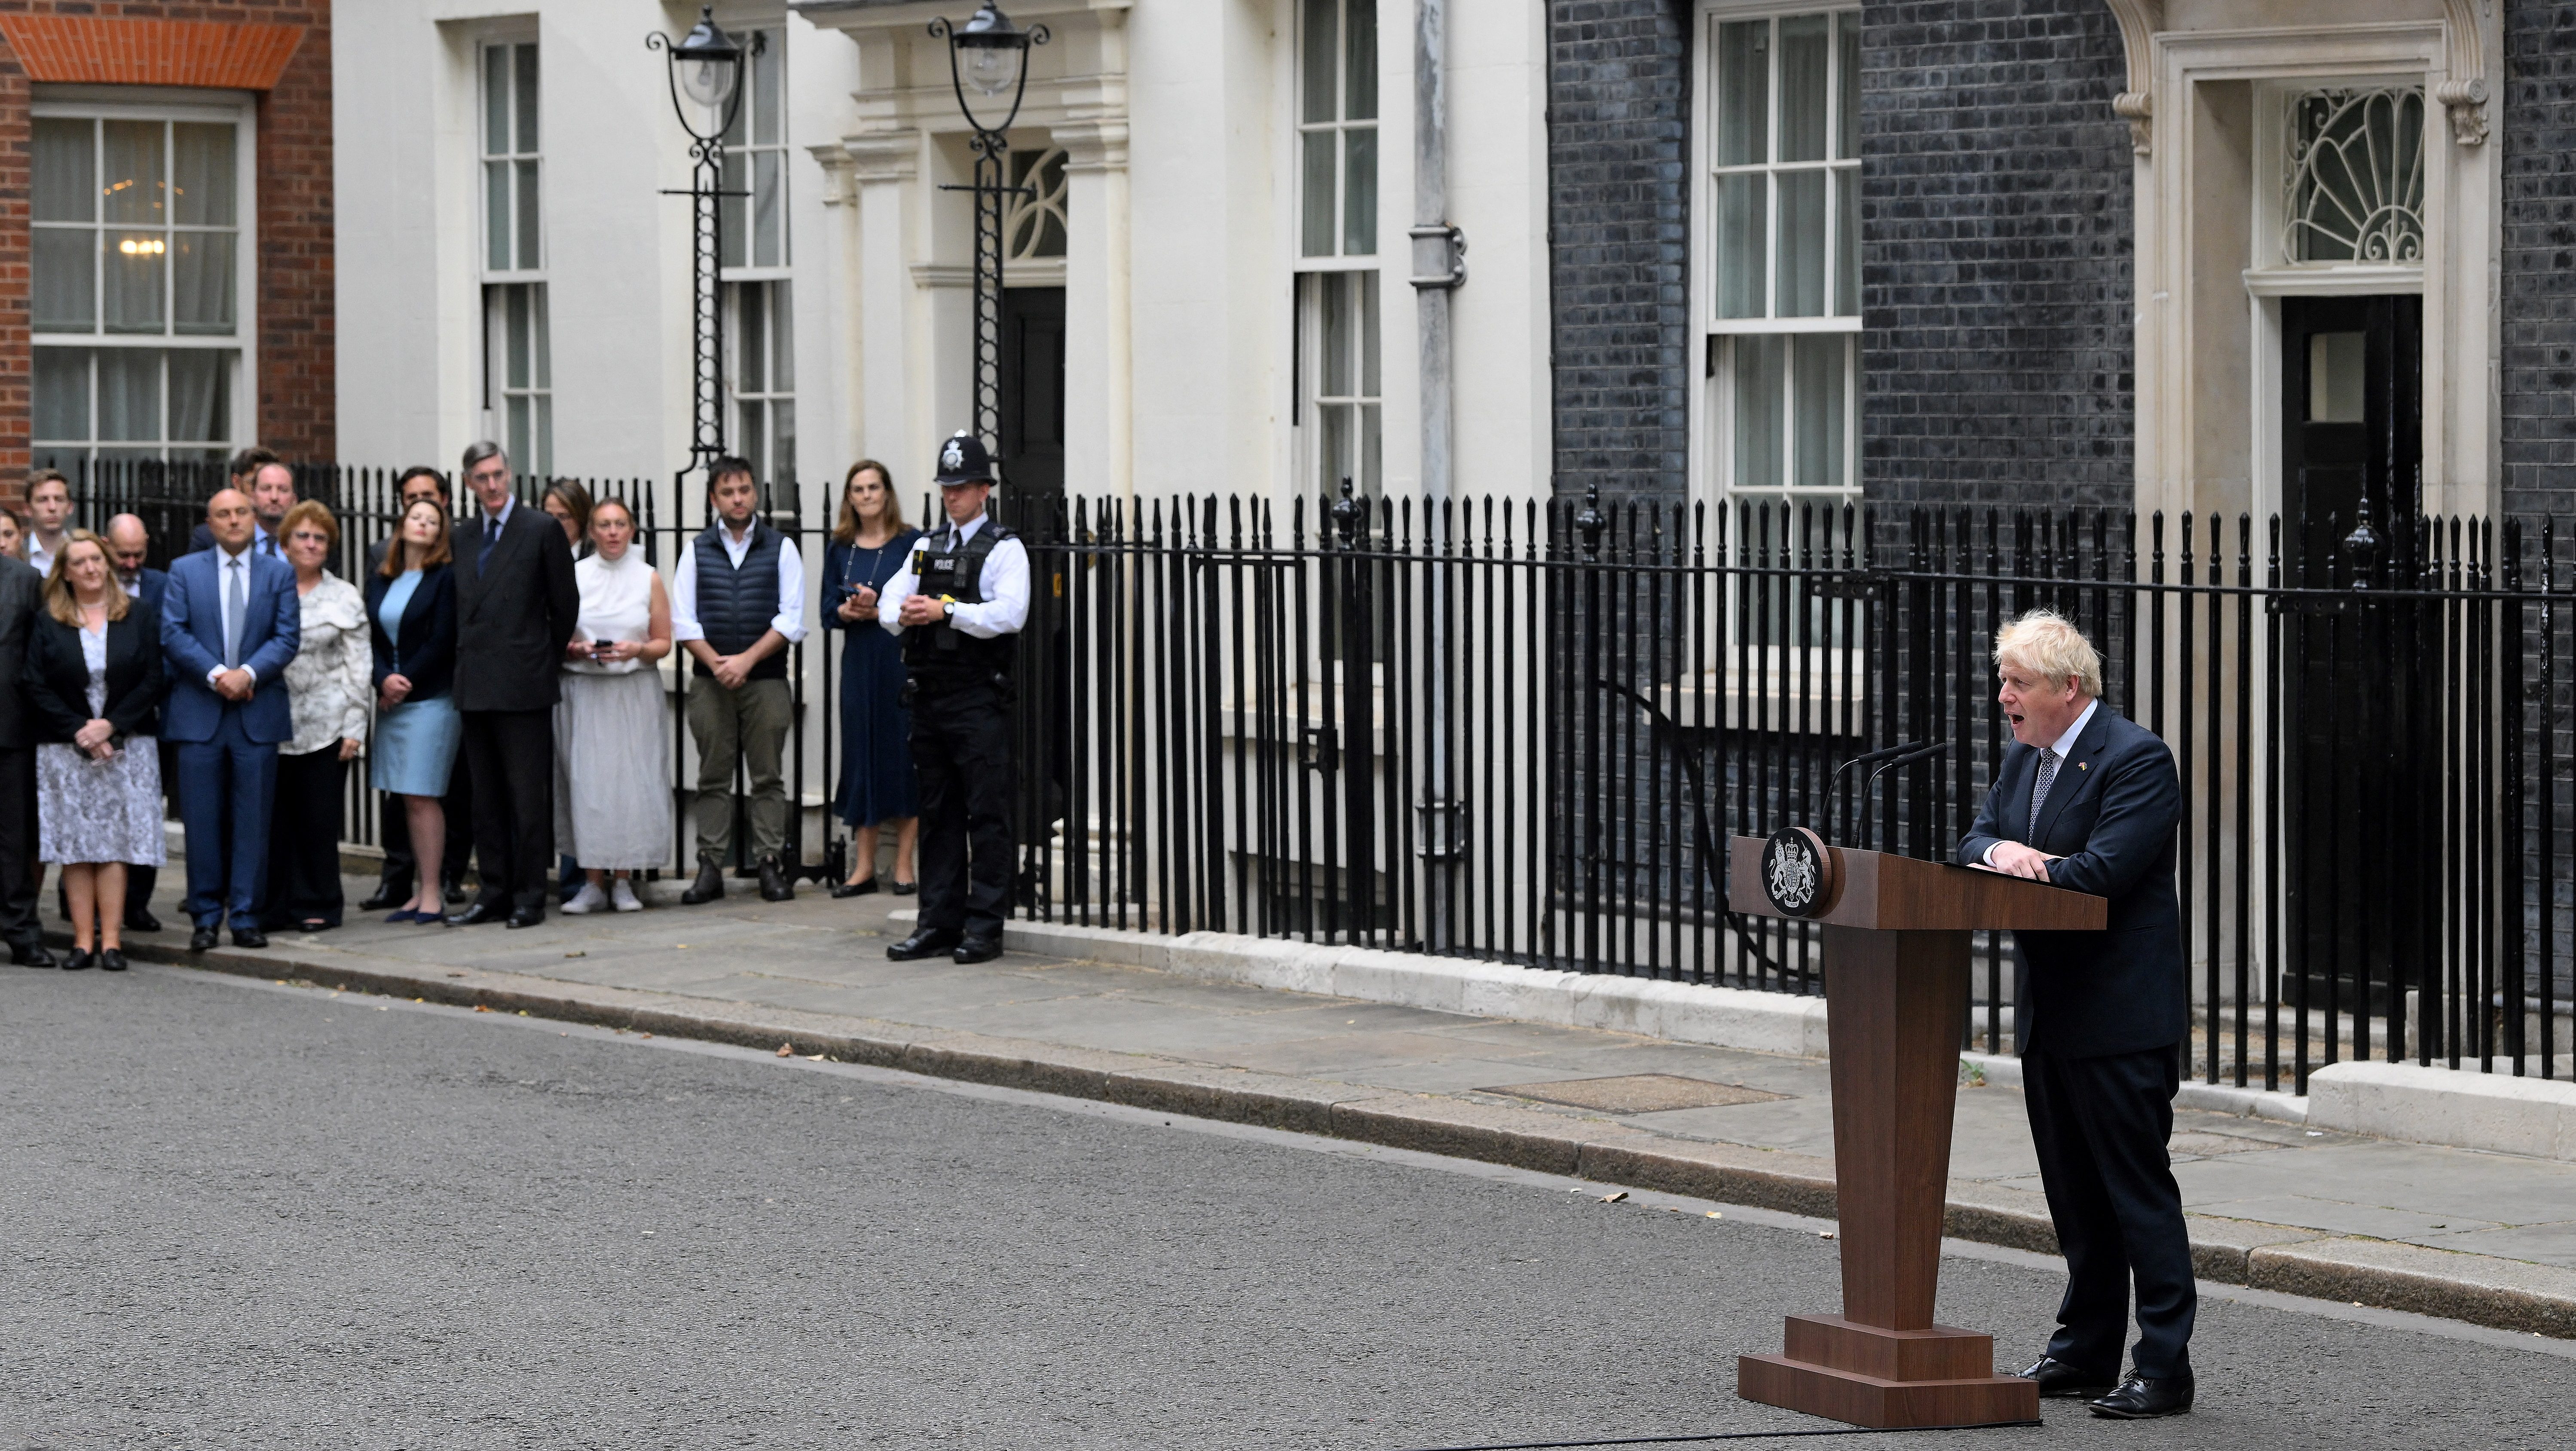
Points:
[(869, 546)]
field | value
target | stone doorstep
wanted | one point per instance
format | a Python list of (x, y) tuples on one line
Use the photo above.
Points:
[(2480, 1289)]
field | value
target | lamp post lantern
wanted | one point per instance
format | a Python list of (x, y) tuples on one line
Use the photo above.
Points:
[(706, 91), (988, 68)]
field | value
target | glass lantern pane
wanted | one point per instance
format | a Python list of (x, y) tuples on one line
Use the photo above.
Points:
[(1318, 61), (1743, 252), (1805, 58), (133, 264), (1359, 87), (132, 186), (1744, 92), (201, 282), (66, 281), (1802, 245), (1359, 204), (201, 175), (66, 166), (1758, 368), (1817, 394), (1316, 225)]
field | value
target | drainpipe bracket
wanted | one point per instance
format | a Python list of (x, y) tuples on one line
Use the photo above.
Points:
[(1434, 244)]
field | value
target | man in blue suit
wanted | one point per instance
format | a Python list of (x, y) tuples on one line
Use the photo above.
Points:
[(129, 544), (230, 621), (2089, 801)]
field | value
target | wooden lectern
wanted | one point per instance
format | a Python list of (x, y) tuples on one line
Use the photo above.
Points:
[(1896, 979)]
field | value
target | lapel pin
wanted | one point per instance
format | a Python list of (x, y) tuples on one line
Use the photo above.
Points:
[(2080, 765)]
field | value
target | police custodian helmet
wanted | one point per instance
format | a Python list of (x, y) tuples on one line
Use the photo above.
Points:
[(962, 460)]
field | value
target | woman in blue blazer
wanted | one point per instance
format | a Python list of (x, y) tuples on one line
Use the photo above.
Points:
[(411, 600)]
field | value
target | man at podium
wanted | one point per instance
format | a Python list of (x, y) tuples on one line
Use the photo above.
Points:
[(2088, 800)]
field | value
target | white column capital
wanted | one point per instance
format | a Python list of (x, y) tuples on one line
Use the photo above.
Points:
[(883, 155), (1099, 145)]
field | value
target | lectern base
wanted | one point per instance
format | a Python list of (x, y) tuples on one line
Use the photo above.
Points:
[(1869, 1376)]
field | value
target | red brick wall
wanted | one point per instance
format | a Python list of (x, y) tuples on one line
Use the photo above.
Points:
[(294, 387)]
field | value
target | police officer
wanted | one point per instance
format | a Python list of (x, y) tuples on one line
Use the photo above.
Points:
[(958, 605)]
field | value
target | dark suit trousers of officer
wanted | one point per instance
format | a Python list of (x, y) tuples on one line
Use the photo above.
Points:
[(18, 924), (2100, 1125), (512, 756), (961, 763)]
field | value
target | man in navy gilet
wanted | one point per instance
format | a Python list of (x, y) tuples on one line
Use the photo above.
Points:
[(958, 605), (737, 603)]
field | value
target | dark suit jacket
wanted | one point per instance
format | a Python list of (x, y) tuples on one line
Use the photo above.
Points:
[(426, 654), (58, 676), (192, 632), (514, 618), (21, 605), (2111, 814)]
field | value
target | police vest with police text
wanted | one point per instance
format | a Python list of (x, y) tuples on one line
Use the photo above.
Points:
[(939, 653)]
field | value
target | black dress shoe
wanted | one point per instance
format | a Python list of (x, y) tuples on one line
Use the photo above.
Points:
[(201, 940), (2144, 1398), (30, 954), (853, 889), (249, 937), (453, 889), (927, 942), (2059, 1381), (480, 913), (81, 960), (111, 960), (973, 950), (906, 889), (708, 886), (528, 916), (774, 886), (388, 894), (139, 920)]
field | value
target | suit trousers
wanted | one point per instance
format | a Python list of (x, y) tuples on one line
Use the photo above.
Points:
[(961, 763), (2101, 1125), (225, 787), (747, 725), (511, 754), (304, 839), (18, 924)]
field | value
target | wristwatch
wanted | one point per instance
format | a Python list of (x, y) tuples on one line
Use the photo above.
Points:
[(948, 609)]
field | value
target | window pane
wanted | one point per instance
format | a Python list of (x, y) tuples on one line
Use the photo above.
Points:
[(132, 298), (1333, 446), (1744, 92), (751, 350), (516, 432), (782, 338), (201, 281), (496, 215), (1369, 387), (1359, 205), (62, 393), (201, 175), (1317, 227), (66, 160), (1333, 378), (1758, 366), (1847, 85), (1316, 61), (516, 327), (752, 437), (496, 100), (1802, 244), (1818, 393), (544, 347), (1742, 245), (1805, 53), (66, 291), (768, 189), (527, 217), (1359, 89), (524, 97), (200, 395), (133, 185), (1847, 243), (765, 97), (545, 436), (732, 212), (1372, 453), (129, 394)]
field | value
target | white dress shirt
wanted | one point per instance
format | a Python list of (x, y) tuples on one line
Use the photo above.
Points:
[(225, 581), (1004, 585), (789, 622), (2065, 744)]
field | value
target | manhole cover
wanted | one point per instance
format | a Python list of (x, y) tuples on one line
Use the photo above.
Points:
[(1638, 1093)]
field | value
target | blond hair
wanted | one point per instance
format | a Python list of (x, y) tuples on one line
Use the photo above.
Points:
[(2045, 643), (61, 602)]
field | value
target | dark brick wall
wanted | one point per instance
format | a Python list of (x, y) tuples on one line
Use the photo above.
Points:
[(2539, 343), (1619, 85), (1995, 260)]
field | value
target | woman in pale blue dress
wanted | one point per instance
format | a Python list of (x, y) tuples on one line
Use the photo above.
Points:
[(411, 600)]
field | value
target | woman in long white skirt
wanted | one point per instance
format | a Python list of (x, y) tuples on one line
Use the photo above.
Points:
[(613, 725)]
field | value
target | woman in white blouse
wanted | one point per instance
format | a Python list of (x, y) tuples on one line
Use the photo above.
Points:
[(613, 724), (328, 686)]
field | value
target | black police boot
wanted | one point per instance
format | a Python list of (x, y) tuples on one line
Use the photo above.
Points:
[(774, 886), (708, 886)]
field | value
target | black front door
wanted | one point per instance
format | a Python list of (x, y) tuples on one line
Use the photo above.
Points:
[(1031, 502), (2361, 674), (1032, 402)]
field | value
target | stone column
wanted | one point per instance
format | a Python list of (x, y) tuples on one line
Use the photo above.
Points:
[(884, 169), (1097, 403)]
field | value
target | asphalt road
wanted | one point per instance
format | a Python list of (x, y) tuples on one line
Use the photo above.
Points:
[(233, 1215)]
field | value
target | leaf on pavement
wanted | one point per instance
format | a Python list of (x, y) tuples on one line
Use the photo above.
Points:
[(786, 1050), (1615, 1197)]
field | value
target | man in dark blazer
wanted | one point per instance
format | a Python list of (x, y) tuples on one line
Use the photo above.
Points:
[(395, 888), (516, 606), (129, 544), (230, 622), (270, 485), (21, 600), (2089, 801)]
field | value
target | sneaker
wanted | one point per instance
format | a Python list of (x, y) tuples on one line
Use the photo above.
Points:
[(621, 895), (589, 899)]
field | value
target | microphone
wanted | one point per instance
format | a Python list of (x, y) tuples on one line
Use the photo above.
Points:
[(1891, 756)]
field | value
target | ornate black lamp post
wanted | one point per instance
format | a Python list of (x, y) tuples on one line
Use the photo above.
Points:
[(988, 59), (706, 85)]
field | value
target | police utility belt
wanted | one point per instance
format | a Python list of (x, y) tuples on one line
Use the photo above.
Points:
[(941, 657)]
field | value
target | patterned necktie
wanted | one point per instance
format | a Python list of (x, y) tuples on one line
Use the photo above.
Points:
[(2047, 774), (491, 536), (235, 606)]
